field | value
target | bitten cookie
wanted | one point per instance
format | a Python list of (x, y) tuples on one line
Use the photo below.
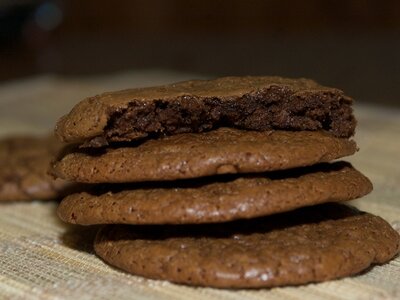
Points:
[(191, 155), (311, 244), (24, 162), (217, 201), (252, 103)]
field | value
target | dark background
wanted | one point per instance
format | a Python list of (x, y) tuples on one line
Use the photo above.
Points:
[(353, 45)]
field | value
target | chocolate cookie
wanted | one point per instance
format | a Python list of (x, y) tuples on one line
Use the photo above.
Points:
[(189, 155), (311, 244), (24, 162), (252, 103), (219, 201)]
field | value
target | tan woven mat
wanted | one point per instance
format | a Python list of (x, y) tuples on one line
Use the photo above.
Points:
[(42, 258)]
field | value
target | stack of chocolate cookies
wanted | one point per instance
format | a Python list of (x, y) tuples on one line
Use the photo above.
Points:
[(225, 183)]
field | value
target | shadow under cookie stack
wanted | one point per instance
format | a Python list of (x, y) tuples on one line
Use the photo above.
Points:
[(226, 183)]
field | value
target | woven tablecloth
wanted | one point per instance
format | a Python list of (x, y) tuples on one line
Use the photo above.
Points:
[(43, 258)]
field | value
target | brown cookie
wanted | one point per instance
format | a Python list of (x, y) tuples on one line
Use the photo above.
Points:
[(311, 244), (24, 162), (190, 155), (252, 103), (221, 201)]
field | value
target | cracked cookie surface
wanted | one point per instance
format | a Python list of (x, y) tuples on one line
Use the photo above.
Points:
[(251, 103)]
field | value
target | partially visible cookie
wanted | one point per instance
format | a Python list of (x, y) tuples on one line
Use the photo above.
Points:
[(251, 103), (219, 201), (24, 163), (190, 155), (311, 244)]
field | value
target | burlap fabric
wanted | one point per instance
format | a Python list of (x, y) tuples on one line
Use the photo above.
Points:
[(42, 258)]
